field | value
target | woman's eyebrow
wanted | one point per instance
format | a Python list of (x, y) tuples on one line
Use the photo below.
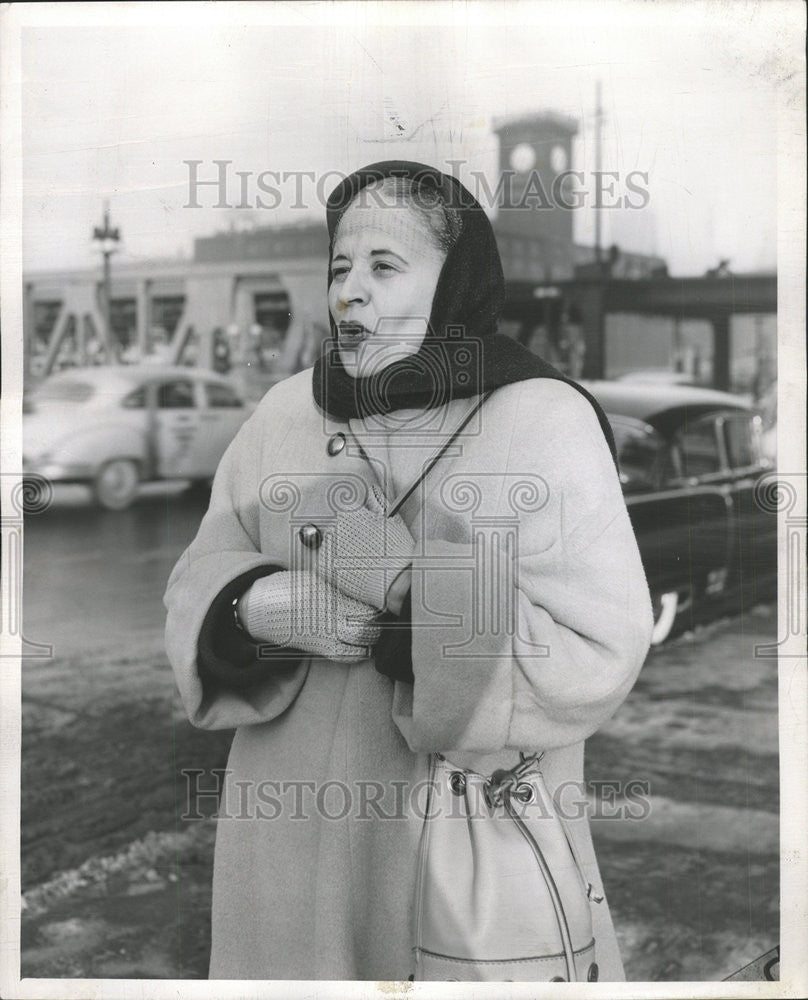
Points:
[(391, 253)]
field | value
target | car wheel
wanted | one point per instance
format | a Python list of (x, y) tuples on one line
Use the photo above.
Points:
[(665, 607), (116, 484), (200, 486)]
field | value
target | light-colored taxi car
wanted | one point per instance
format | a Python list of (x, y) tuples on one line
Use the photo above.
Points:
[(114, 427)]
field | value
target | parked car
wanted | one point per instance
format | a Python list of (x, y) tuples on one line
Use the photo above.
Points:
[(114, 427), (690, 460)]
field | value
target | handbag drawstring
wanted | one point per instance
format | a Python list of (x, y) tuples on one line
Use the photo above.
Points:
[(555, 896), (499, 788), (502, 781)]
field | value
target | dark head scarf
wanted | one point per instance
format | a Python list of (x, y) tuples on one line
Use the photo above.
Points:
[(462, 354)]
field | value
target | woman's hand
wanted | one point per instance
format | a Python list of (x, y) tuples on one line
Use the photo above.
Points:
[(367, 552), (301, 610)]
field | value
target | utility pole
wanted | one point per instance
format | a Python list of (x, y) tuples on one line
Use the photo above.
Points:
[(598, 167), (107, 239)]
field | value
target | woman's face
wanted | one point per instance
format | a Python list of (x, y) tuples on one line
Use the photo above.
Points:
[(384, 271)]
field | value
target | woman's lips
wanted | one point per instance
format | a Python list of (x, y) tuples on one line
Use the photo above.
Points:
[(352, 334)]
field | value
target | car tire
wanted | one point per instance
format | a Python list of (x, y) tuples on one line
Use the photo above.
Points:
[(200, 486), (665, 607), (116, 484)]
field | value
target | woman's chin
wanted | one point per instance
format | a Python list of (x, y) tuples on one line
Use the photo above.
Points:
[(368, 360)]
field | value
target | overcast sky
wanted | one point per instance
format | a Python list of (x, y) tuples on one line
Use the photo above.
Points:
[(689, 94)]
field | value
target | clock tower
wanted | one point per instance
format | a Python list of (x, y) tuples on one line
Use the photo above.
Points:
[(534, 231)]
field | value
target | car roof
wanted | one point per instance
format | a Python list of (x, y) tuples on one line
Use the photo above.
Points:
[(651, 403), (658, 376)]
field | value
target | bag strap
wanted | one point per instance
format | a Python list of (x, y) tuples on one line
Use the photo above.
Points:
[(396, 507), (552, 888)]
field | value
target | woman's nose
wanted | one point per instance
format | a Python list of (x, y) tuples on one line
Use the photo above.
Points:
[(354, 288)]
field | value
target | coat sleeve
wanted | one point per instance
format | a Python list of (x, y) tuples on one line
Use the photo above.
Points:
[(224, 679), (529, 637)]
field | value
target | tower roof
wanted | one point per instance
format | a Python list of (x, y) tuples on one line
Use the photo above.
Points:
[(536, 119)]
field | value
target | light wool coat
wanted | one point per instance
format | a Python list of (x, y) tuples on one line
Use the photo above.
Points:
[(529, 639)]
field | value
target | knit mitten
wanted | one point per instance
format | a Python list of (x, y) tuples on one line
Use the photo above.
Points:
[(365, 551), (302, 610)]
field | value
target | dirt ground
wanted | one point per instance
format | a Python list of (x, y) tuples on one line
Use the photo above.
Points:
[(117, 884)]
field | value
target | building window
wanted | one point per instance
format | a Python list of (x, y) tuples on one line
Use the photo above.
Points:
[(45, 316), (272, 314), (272, 319), (165, 314), (123, 320)]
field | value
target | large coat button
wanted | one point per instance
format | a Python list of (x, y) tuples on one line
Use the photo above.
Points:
[(336, 444), (311, 536)]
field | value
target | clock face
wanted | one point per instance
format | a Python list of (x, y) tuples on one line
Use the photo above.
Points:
[(523, 157), (558, 159)]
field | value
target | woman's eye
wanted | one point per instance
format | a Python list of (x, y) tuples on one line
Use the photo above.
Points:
[(384, 267), (339, 272)]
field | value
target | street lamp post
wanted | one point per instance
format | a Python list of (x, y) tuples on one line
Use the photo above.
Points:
[(107, 238)]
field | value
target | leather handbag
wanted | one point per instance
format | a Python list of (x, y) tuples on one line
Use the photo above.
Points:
[(500, 892)]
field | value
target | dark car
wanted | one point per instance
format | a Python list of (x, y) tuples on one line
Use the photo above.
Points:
[(690, 460)]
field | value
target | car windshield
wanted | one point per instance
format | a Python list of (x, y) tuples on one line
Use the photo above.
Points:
[(64, 391)]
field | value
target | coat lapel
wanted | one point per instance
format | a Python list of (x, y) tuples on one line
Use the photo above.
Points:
[(401, 446)]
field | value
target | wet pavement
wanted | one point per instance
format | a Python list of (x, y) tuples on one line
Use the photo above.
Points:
[(117, 885), (95, 578)]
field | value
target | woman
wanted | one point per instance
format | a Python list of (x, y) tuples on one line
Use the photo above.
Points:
[(273, 611)]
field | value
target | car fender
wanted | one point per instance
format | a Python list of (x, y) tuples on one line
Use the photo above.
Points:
[(97, 445)]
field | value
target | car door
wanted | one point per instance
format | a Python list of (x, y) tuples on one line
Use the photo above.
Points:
[(659, 516), (681, 522), (179, 444), (753, 563), (699, 476), (223, 412)]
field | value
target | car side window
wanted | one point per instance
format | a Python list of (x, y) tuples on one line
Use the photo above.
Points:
[(135, 400), (697, 445), (641, 455), (742, 441), (220, 396), (176, 395)]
